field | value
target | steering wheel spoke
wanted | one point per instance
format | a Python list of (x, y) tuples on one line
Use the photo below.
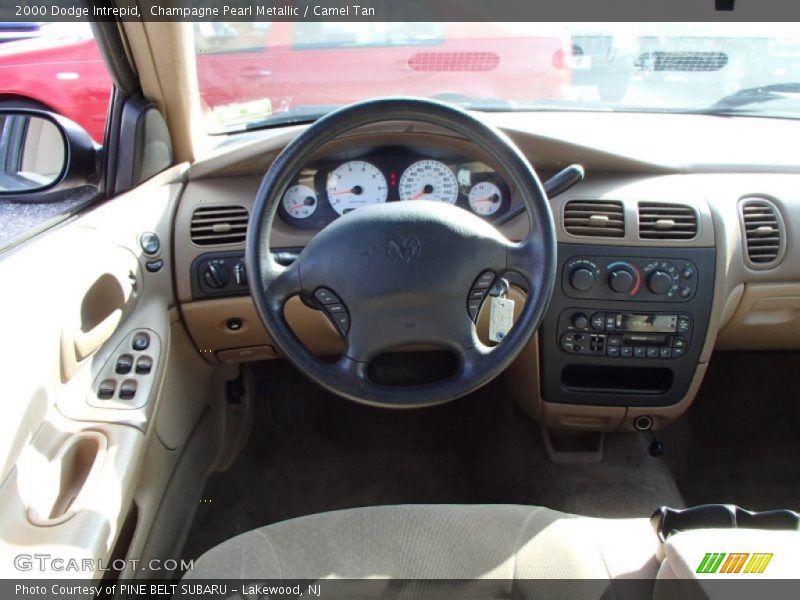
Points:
[(280, 283), (527, 259)]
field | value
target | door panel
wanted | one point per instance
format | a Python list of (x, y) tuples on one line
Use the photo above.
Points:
[(74, 301)]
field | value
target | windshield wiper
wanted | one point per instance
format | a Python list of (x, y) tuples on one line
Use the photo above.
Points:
[(756, 95)]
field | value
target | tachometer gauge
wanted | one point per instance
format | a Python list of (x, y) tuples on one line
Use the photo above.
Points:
[(485, 198), (428, 180), (300, 201), (355, 184)]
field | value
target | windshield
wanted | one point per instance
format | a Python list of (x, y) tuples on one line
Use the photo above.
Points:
[(260, 74)]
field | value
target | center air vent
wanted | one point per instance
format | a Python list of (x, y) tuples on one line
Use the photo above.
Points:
[(595, 218), (215, 225), (763, 231), (665, 221)]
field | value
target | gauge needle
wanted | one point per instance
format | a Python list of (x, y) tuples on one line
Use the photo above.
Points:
[(490, 198), (356, 189)]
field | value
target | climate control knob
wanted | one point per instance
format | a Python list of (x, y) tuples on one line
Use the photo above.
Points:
[(620, 280), (581, 279), (659, 282)]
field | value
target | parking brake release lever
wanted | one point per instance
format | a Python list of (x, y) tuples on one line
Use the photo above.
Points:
[(557, 184)]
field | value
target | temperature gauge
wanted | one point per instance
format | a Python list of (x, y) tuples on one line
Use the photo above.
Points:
[(300, 201), (485, 198)]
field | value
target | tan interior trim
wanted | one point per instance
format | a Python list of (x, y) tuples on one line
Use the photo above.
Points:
[(163, 56)]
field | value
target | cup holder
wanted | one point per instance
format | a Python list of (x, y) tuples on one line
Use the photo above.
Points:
[(67, 479)]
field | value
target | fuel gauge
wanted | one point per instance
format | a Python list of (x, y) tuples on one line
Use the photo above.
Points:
[(485, 198)]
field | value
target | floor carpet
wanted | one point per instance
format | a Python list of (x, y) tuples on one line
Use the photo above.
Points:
[(336, 454), (739, 443)]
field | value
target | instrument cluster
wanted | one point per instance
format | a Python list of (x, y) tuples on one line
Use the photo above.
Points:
[(332, 187)]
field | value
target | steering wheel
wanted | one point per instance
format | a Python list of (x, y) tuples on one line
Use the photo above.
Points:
[(402, 273)]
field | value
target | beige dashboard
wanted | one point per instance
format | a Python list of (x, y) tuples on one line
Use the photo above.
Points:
[(755, 305)]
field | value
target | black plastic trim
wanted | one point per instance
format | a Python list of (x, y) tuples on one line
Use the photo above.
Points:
[(554, 361)]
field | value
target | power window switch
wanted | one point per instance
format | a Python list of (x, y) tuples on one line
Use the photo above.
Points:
[(106, 389), (124, 364), (127, 390), (144, 365)]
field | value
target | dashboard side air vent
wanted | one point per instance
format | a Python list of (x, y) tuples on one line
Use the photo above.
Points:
[(214, 225), (763, 232), (666, 221), (594, 218)]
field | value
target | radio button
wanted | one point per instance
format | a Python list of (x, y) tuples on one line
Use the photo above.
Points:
[(598, 321), (679, 342), (665, 352), (611, 321), (626, 351), (678, 352), (580, 320), (566, 342), (613, 350), (685, 292), (639, 351), (614, 340), (652, 352), (683, 325)]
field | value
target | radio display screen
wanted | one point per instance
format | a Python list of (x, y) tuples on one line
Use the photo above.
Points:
[(649, 323)]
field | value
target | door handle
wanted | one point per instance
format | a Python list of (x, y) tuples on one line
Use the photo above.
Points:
[(86, 342)]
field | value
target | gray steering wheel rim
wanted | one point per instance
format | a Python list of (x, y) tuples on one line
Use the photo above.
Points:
[(539, 261)]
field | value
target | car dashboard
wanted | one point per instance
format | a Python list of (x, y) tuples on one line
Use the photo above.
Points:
[(666, 250)]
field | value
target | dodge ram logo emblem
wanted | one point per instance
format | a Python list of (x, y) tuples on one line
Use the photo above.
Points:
[(404, 248)]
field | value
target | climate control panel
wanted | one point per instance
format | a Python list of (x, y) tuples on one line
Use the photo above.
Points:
[(640, 279)]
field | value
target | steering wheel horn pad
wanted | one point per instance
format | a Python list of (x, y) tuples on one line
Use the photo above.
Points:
[(403, 270)]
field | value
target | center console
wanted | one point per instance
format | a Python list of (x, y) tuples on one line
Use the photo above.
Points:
[(625, 325)]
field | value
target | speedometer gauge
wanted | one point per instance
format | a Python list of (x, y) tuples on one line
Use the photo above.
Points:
[(429, 180), (485, 198), (300, 201), (354, 184)]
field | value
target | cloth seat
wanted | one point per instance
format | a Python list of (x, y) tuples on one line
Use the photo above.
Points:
[(495, 542)]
